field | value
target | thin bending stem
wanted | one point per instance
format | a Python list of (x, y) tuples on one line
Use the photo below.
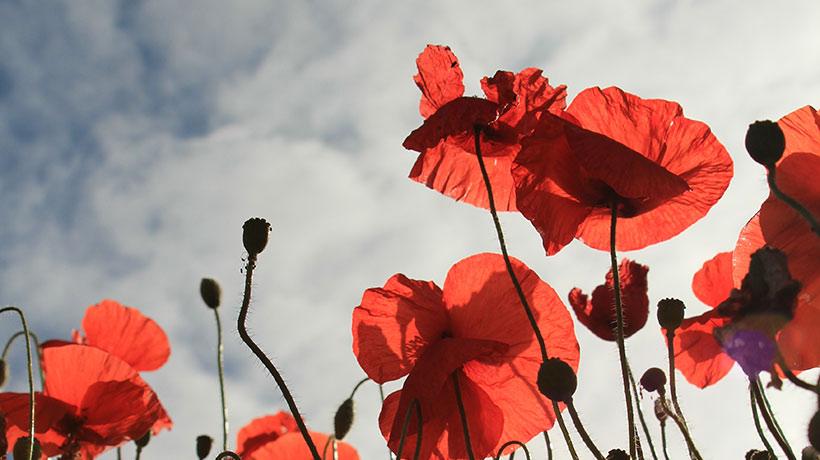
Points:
[(768, 417), (582, 431), (564, 431), (512, 443), (756, 418), (663, 440), (381, 397), (356, 388), (465, 428), (324, 449), (29, 367), (139, 453), (673, 387), (243, 333), (619, 331), (406, 424), (781, 362), (641, 418), (548, 443), (36, 347), (690, 444), (794, 204), (220, 349), (524, 303)]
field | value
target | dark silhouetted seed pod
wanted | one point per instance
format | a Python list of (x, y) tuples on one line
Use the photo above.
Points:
[(21, 447), (670, 313), (755, 454), (557, 380), (809, 453), (617, 454), (765, 142), (144, 440), (203, 446), (4, 372), (660, 414), (343, 419), (814, 431), (654, 379), (255, 235), (211, 292)]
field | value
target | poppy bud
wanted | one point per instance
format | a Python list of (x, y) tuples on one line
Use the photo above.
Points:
[(343, 419), (211, 292), (660, 413), (255, 235), (755, 454), (21, 447), (617, 454), (814, 431), (765, 142), (144, 440), (670, 314), (203, 446), (654, 379), (557, 380), (4, 372), (809, 453)]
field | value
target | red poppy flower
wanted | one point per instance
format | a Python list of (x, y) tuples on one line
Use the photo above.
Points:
[(445, 141), (474, 329), (92, 401), (275, 437), (663, 171), (598, 313)]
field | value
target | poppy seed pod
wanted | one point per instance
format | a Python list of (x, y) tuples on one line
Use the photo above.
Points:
[(343, 419), (144, 440), (809, 453), (670, 314), (255, 235), (203, 446), (557, 380), (4, 372), (765, 142), (617, 454), (211, 292), (814, 431), (654, 379), (21, 447), (755, 454)]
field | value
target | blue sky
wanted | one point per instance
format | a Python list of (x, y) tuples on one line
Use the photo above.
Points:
[(137, 136)]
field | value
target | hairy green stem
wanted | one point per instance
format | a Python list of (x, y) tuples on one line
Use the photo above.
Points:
[(512, 443), (548, 444), (756, 418), (465, 428), (30, 377), (768, 417), (641, 418), (582, 431), (36, 347), (221, 369), (694, 454), (663, 440)]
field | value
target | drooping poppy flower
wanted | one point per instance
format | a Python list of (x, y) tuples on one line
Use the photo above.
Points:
[(447, 161), (660, 170), (598, 312), (275, 437), (474, 330), (92, 401)]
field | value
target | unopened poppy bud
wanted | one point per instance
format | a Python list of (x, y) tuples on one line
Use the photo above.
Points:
[(203, 446), (617, 454), (557, 380), (343, 419), (4, 372), (670, 314), (809, 453), (211, 292), (755, 454), (660, 413), (765, 142), (654, 379), (255, 235), (144, 440), (814, 431), (21, 448)]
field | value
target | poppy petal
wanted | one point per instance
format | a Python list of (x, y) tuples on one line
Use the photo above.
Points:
[(457, 117), (526, 92), (118, 412), (698, 354), (394, 325), (801, 129), (713, 282), (126, 333), (440, 78), (292, 446), (49, 412), (263, 430)]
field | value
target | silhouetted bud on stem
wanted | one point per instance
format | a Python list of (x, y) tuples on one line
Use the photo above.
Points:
[(759, 455), (670, 313), (660, 414), (203, 446), (557, 380), (255, 235), (4, 372), (343, 419), (654, 379), (21, 448), (814, 431), (211, 292), (617, 454), (765, 142), (144, 440), (809, 453)]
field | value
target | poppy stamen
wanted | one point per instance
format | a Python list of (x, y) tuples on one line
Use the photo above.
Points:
[(29, 367)]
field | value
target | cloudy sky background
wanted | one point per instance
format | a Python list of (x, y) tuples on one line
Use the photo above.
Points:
[(137, 136)]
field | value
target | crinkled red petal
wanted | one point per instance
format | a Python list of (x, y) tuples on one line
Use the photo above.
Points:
[(713, 282), (440, 78), (263, 430), (698, 355), (291, 446)]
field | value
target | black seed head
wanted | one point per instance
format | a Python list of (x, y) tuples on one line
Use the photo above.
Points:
[(211, 292), (255, 235), (557, 380), (617, 454), (654, 379), (670, 313), (203, 446), (765, 142), (21, 448)]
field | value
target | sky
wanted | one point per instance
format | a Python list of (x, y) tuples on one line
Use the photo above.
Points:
[(137, 136)]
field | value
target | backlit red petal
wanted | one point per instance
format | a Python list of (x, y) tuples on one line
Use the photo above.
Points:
[(49, 411), (440, 78), (457, 117), (698, 355), (291, 446), (801, 129), (263, 430), (713, 282), (115, 412)]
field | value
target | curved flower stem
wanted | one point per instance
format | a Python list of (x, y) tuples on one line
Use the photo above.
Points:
[(619, 331), (30, 377), (243, 333), (673, 388), (549, 445), (512, 443), (663, 440), (530, 315), (565, 432), (757, 422), (139, 453), (228, 454), (770, 411), (327, 444), (781, 363), (768, 418), (36, 347), (641, 418), (694, 454), (466, 429), (405, 425), (381, 396), (356, 388), (582, 431), (794, 204), (221, 370)]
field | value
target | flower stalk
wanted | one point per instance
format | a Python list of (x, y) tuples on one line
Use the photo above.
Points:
[(794, 204), (36, 340), (465, 428), (30, 370), (758, 427)]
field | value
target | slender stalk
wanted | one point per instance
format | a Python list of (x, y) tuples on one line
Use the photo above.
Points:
[(405, 425), (356, 388), (769, 408), (768, 417), (619, 331), (30, 378), (794, 204), (521, 297), (381, 396), (139, 453), (467, 442), (663, 440), (641, 418), (36, 347), (220, 349), (757, 422), (673, 388), (243, 333), (582, 431), (324, 449), (781, 362), (690, 444), (119, 453), (512, 443), (228, 454), (549, 444)]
